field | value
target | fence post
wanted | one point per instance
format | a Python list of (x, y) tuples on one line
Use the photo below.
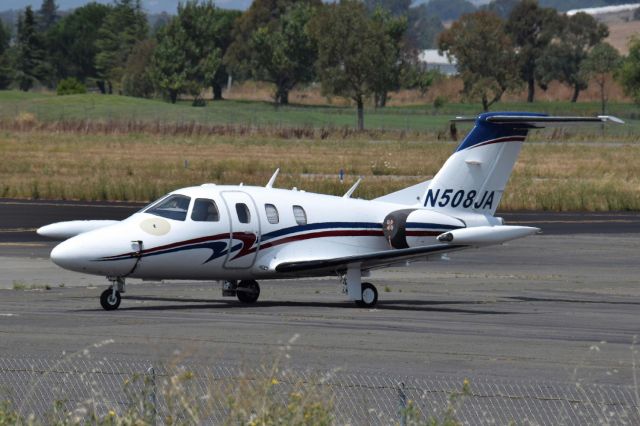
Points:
[(402, 404), (151, 372)]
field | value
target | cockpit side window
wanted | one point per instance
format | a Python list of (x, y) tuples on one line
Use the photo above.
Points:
[(173, 207), (205, 210)]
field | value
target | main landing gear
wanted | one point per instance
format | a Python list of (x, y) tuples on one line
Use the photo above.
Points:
[(364, 294), (247, 291), (110, 298)]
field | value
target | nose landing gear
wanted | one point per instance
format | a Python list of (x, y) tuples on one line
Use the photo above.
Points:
[(110, 298)]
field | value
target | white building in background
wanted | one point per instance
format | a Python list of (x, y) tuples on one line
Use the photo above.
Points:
[(605, 9), (433, 60)]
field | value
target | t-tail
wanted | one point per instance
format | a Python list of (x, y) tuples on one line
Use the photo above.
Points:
[(473, 179)]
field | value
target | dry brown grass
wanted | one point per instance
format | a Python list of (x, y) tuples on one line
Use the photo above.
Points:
[(449, 89), (620, 33), (135, 166)]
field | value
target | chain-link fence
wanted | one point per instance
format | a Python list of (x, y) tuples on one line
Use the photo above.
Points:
[(36, 386)]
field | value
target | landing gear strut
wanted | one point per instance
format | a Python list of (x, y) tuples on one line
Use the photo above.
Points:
[(110, 298), (248, 291), (364, 294)]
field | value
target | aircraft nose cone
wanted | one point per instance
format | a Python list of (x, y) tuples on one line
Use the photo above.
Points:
[(65, 256), (92, 252)]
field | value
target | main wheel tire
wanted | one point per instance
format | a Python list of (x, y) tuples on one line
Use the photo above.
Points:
[(248, 291), (369, 296), (108, 301)]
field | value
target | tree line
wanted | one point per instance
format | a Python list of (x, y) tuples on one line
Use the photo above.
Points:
[(358, 50)]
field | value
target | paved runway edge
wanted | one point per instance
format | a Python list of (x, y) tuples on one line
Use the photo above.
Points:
[(20, 218)]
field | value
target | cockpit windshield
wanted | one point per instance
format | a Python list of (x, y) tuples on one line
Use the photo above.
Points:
[(173, 207)]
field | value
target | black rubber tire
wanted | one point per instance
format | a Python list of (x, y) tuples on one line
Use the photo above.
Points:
[(369, 296), (248, 291), (107, 302)]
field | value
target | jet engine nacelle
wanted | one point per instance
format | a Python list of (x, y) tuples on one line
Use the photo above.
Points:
[(486, 235), (416, 228)]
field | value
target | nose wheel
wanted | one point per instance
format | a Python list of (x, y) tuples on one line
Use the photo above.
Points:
[(110, 299)]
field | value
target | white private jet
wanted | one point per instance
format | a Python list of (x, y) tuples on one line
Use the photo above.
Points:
[(241, 234)]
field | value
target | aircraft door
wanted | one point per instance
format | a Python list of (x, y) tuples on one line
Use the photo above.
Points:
[(245, 229)]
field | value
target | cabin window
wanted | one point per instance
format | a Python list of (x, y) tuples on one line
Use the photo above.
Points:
[(173, 207), (300, 215), (205, 210), (244, 216), (272, 213)]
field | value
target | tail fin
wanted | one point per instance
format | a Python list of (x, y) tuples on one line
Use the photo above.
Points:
[(474, 177)]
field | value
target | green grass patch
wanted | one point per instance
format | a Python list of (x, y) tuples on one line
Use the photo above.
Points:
[(424, 118)]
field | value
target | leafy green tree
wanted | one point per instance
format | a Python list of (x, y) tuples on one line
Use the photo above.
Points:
[(6, 70), (224, 21), (562, 59), (47, 15), (123, 27), (351, 49), (29, 62), (449, 10), (137, 78), (169, 62), (70, 86), (262, 13), (72, 42), (602, 62), (629, 75), (284, 53), (532, 28), (392, 58), (485, 56), (195, 31), (394, 7)]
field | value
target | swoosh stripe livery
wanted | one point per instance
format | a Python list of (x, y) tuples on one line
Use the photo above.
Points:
[(219, 243)]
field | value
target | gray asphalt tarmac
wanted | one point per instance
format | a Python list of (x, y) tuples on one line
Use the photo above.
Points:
[(551, 307)]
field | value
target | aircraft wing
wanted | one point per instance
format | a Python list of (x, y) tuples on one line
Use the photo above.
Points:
[(366, 261)]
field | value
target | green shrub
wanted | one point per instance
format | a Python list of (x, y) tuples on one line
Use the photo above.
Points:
[(71, 86)]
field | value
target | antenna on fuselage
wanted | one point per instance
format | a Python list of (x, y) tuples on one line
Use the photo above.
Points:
[(273, 179), (352, 189)]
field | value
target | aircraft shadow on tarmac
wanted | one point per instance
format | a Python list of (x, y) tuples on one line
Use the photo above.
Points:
[(217, 304), (577, 301)]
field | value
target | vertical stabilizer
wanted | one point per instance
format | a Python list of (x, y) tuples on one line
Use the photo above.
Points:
[(474, 177)]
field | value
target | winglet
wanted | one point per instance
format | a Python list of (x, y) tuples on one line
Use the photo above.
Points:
[(611, 118), (273, 179), (352, 189)]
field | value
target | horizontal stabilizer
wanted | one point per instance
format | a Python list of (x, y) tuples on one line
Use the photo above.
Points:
[(486, 235), (541, 121)]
